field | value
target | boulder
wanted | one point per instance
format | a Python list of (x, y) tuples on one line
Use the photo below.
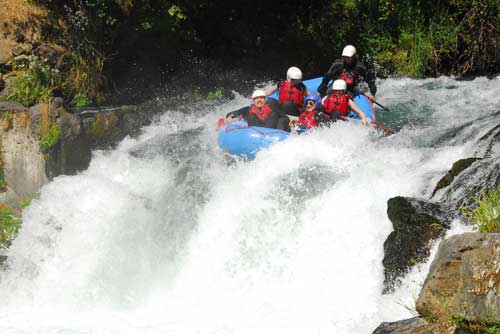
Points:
[(463, 284), (456, 169), (416, 223), (481, 175), (415, 325)]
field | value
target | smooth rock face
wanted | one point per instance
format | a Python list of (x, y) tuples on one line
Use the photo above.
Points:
[(24, 164), (409, 326), (464, 280), (416, 223), (469, 177)]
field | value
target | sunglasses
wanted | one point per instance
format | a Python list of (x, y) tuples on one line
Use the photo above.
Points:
[(311, 103)]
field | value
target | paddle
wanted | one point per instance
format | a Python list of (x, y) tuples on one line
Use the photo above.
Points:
[(380, 127), (380, 105)]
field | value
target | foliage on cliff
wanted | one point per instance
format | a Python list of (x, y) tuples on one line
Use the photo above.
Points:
[(406, 38), (10, 224), (412, 38)]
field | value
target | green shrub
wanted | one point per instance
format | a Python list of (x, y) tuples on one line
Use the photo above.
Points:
[(80, 100), (51, 138), (24, 203), (34, 82), (215, 95), (495, 329), (3, 183), (414, 50), (486, 215), (86, 81), (9, 225)]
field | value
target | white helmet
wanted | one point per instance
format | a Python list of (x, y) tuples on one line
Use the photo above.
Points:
[(339, 85), (258, 93), (294, 73), (349, 51)]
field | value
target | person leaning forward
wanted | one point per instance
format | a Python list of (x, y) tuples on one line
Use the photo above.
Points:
[(291, 92), (263, 113), (351, 70)]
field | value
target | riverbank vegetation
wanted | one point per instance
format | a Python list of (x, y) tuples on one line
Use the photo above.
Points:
[(10, 223), (96, 43), (485, 215)]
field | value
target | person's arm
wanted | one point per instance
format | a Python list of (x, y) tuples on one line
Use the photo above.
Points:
[(302, 88), (368, 73), (358, 111), (324, 84), (332, 73), (271, 89), (236, 113), (321, 116)]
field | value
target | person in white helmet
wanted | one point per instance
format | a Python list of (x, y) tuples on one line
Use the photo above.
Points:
[(291, 92), (262, 113), (338, 103), (351, 70)]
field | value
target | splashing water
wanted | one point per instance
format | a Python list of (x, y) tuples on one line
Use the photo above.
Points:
[(161, 236)]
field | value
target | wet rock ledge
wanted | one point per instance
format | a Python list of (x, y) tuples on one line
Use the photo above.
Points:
[(46, 140)]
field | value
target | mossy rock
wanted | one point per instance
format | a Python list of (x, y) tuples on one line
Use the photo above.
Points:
[(458, 167), (103, 125)]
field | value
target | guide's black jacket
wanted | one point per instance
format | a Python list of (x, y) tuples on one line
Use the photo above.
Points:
[(360, 71)]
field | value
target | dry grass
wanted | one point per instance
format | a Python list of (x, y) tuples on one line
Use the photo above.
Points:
[(19, 11)]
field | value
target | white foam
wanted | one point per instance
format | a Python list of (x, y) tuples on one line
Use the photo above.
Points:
[(160, 236)]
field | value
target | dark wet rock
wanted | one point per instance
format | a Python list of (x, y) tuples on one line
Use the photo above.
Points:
[(455, 170), (87, 129), (416, 223), (415, 325), (3, 259), (491, 141), (464, 331), (464, 281), (481, 175)]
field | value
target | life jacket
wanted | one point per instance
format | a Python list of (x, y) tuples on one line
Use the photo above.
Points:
[(349, 77), (261, 113), (308, 119), (334, 102), (288, 91)]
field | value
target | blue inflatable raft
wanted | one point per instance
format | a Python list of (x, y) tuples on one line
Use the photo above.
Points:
[(240, 140)]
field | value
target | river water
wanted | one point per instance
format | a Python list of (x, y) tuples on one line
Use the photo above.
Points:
[(162, 235)]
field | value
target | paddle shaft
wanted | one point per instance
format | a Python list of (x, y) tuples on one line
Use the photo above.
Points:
[(381, 106)]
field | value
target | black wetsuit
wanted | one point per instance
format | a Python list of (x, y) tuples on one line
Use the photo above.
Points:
[(360, 71), (275, 120)]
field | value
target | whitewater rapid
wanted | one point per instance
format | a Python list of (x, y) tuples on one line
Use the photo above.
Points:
[(161, 235)]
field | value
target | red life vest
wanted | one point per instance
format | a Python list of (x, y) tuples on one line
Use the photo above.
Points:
[(334, 102), (288, 91), (261, 113), (308, 119), (349, 77)]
